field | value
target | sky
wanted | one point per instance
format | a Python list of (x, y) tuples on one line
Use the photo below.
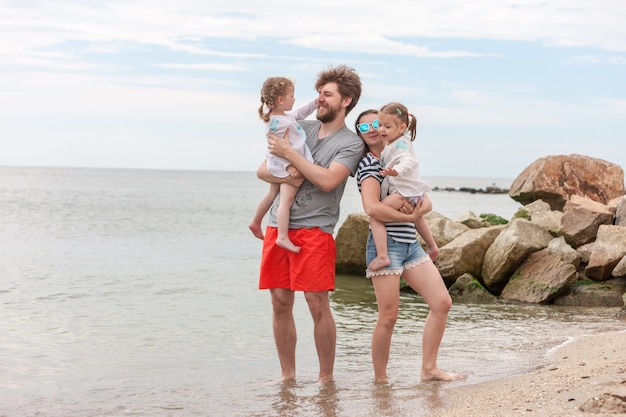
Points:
[(154, 84)]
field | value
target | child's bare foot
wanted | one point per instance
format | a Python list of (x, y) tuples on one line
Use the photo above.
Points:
[(439, 375), (285, 243), (256, 230), (379, 262)]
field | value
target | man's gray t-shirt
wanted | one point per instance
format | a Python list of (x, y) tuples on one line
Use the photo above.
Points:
[(313, 207)]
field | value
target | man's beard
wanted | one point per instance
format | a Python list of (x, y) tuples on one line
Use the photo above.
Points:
[(330, 115)]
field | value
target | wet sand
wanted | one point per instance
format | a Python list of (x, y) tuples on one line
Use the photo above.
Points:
[(586, 377)]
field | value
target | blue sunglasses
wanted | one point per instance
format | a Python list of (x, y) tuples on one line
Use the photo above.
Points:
[(365, 127)]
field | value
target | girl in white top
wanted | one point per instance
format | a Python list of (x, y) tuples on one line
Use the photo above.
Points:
[(277, 99), (401, 166)]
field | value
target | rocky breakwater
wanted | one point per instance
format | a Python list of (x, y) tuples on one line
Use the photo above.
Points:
[(566, 245)]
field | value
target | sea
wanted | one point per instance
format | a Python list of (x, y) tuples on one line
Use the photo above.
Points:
[(134, 293)]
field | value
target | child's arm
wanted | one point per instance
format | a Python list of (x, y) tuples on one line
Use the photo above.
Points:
[(400, 158), (422, 228), (303, 112)]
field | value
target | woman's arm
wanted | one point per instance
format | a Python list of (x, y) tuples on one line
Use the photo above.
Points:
[(370, 195)]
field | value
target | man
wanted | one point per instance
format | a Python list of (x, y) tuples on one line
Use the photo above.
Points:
[(314, 214)]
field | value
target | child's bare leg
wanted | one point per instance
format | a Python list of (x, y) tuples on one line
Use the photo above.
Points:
[(422, 228), (379, 233), (262, 209), (287, 196)]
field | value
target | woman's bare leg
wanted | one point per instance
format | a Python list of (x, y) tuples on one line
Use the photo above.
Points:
[(387, 288), (426, 280)]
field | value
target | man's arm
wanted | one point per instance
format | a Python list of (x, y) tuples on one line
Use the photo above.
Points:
[(326, 179)]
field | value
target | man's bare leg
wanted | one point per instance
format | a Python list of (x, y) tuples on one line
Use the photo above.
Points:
[(324, 332), (284, 331)]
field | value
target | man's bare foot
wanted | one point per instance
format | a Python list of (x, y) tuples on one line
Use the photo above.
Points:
[(256, 230), (285, 243), (379, 262), (439, 375)]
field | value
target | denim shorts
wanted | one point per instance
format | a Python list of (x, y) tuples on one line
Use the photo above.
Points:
[(403, 256)]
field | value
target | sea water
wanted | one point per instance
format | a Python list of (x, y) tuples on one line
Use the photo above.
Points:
[(134, 293)]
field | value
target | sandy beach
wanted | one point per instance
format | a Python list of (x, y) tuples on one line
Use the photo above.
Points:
[(586, 377)]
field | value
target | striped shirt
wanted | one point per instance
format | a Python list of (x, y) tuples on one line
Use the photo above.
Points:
[(370, 166)]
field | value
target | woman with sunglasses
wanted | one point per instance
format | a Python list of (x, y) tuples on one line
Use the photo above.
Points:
[(407, 258)]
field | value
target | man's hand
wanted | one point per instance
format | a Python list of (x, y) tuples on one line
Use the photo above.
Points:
[(279, 146)]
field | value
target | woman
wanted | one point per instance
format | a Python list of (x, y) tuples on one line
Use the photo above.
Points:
[(407, 259)]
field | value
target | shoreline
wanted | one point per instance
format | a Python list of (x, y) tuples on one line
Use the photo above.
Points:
[(584, 377)]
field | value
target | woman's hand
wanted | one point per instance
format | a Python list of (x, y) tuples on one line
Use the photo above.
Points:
[(406, 207)]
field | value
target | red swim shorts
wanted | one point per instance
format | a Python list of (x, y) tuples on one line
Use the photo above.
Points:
[(313, 269)]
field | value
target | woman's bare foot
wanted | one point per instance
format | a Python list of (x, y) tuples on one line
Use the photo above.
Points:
[(379, 262), (256, 230), (439, 375), (285, 243)]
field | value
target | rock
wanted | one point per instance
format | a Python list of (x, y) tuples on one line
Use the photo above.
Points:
[(444, 230), (568, 254), (465, 253), (542, 277), (620, 212), (508, 251), (467, 289), (351, 241), (620, 269), (581, 219), (585, 252), (554, 179), (471, 220), (607, 403), (608, 251), (593, 294)]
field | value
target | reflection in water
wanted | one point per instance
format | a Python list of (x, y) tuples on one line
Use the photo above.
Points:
[(384, 400), (302, 400)]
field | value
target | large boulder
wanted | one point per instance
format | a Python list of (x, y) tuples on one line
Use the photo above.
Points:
[(542, 277), (519, 239), (608, 251), (620, 269), (351, 241), (581, 219), (465, 253), (620, 213), (554, 179), (443, 229), (542, 215), (467, 289), (593, 295)]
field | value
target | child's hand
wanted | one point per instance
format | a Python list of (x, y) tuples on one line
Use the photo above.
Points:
[(293, 172), (389, 172)]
